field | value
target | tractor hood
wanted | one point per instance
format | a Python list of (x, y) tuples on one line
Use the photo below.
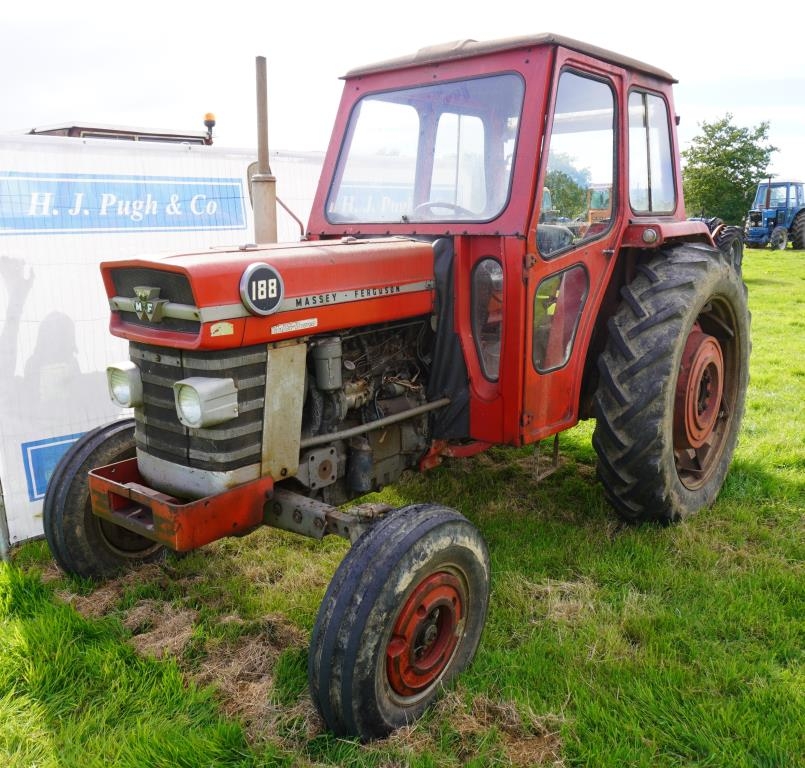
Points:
[(232, 297)]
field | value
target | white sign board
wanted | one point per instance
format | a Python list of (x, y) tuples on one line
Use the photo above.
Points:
[(67, 204)]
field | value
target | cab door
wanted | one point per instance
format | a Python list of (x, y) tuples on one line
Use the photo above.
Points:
[(570, 249)]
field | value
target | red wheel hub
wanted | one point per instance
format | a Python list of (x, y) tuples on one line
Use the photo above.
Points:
[(698, 390), (425, 635)]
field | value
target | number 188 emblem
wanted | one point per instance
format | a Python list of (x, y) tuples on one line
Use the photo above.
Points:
[(261, 289)]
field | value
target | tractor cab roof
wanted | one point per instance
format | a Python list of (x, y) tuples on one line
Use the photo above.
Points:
[(463, 49)]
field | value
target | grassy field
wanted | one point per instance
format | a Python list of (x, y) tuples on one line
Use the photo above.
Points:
[(606, 645)]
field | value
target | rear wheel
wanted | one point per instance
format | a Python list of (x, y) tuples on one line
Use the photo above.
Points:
[(730, 241), (81, 543), (798, 232), (673, 384), (402, 616)]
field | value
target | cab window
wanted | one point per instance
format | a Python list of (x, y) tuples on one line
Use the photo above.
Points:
[(438, 152), (576, 195), (651, 164), (558, 302)]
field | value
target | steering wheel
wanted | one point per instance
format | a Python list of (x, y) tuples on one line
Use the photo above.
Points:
[(426, 209)]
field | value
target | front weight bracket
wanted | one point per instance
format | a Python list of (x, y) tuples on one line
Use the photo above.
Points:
[(312, 518)]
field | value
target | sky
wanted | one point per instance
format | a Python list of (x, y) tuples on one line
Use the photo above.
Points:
[(165, 64)]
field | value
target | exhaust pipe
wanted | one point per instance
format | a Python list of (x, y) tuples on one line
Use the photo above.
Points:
[(264, 184)]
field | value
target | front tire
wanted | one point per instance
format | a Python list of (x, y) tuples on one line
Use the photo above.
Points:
[(673, 385), (778, 240), (402, 616), (82, 543)]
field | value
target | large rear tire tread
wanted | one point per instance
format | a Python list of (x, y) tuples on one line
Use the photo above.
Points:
[(798, 232), (375, 583), (730, 242), (684, 291), (83, 544)]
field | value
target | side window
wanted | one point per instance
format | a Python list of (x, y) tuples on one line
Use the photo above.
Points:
[(576, 197), (487, 314), (558, 302), (651, 165)]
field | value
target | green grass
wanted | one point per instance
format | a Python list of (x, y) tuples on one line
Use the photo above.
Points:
[(606, 645)]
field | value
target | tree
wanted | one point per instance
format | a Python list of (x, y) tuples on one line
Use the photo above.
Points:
[(568, 195), (722, 168)]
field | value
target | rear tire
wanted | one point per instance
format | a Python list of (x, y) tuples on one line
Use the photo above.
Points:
[(402, 617), (798, 232), (730, 242), (82, 543), (673, 385)]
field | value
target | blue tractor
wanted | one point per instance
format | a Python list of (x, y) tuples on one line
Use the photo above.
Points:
[(777, 216)]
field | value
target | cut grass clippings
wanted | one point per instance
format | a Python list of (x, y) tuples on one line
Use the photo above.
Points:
[(606, 644)]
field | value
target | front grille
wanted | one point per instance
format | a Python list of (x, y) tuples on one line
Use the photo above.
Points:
[(173, 286), (222, 448)]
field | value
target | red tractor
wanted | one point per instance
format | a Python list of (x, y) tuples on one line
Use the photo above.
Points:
[(433, 309)]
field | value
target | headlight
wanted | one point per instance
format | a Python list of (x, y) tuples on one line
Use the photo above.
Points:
[(188, 406), (125, 384), (202, 402)]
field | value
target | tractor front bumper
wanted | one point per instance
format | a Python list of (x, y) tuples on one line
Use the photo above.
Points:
[(119, 496)]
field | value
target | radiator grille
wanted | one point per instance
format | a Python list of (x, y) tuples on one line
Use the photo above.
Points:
[(173, 286), (222, 448)]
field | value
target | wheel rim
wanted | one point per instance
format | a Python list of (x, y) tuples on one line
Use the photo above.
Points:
[(699, 389), (701, 415), (122, 542), (779, 239), (126, 544), (426, 634)]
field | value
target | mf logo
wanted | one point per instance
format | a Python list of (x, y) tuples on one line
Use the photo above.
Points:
[(147, 303)]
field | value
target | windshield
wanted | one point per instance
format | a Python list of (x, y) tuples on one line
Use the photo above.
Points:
[(777, 198), (431, 153)]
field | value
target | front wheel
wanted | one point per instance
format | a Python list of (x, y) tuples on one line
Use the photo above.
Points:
[(778, 239), (673, 382), (402, 616), (81, 543)]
